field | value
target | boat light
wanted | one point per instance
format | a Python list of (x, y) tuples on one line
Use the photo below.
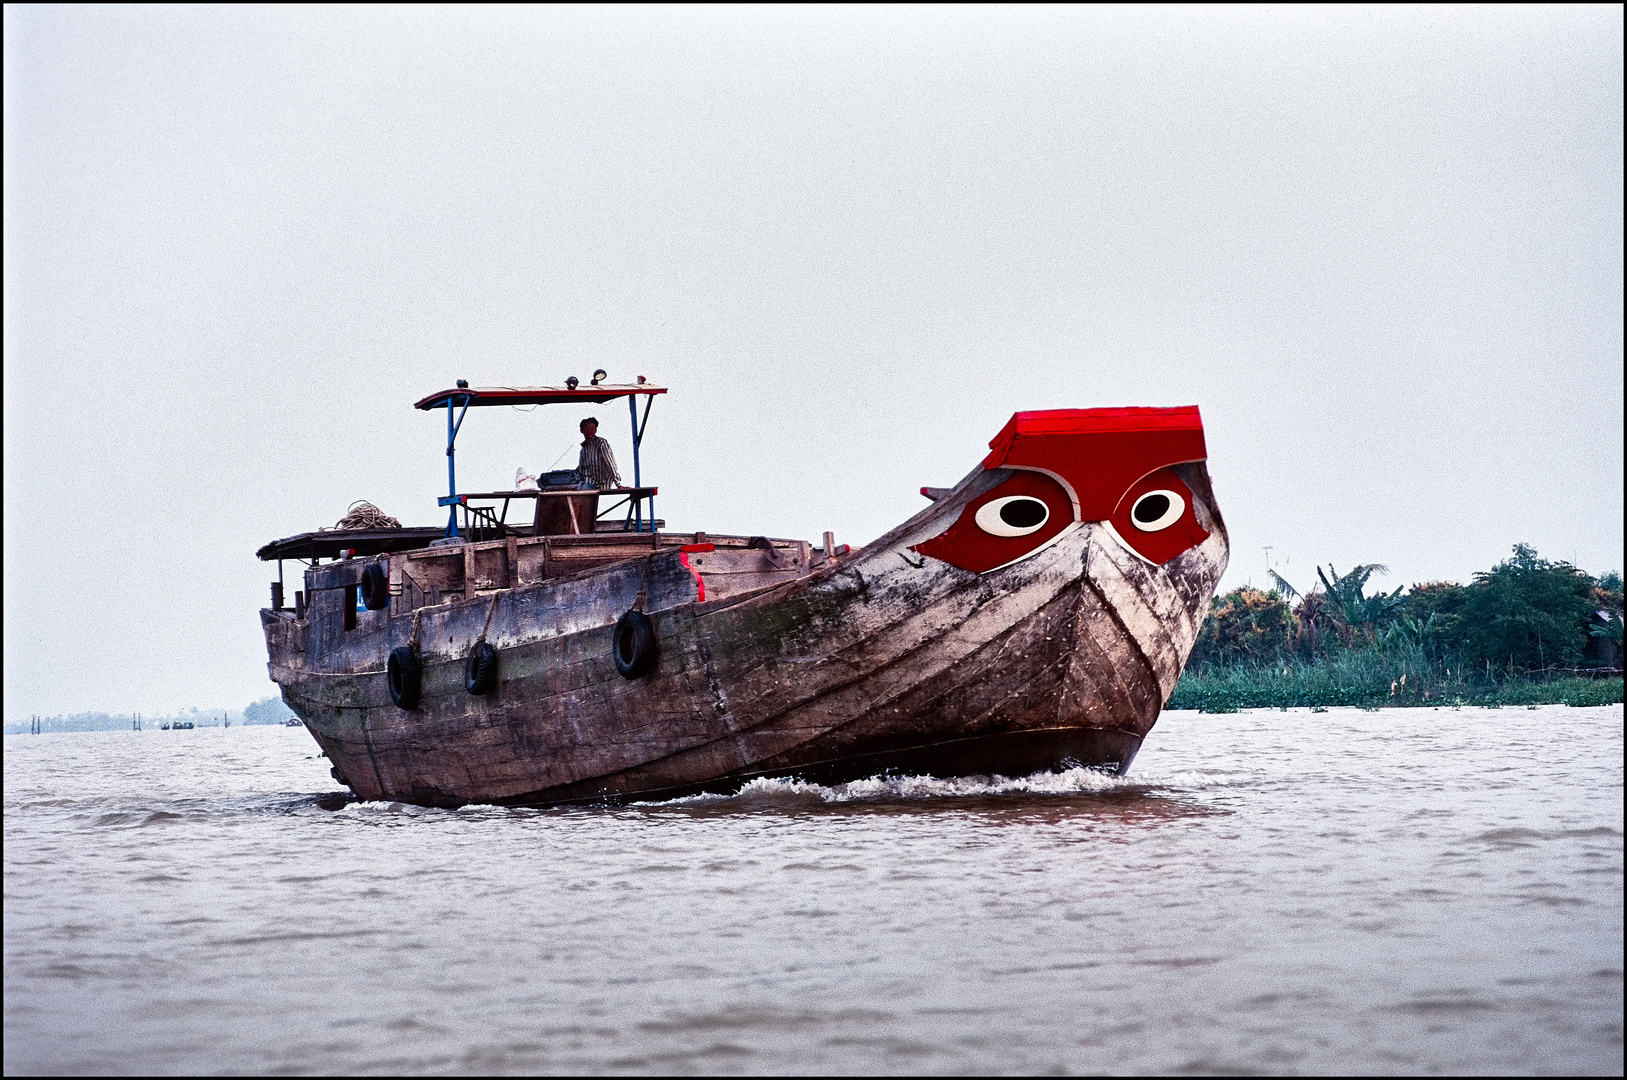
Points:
[(572, 382), (598, 374)]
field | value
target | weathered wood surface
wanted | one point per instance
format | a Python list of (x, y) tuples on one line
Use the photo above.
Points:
[(789, 666)]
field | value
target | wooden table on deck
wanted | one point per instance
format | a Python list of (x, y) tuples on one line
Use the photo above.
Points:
[(576, 508)]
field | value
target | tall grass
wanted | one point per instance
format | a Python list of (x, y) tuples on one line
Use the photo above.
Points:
[(1375, 678)]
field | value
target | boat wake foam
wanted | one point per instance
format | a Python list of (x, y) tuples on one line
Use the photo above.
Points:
[(766, 793), (1076, 781)]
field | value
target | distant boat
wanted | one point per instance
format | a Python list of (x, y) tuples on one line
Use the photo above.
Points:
[(292, 721), (1035, 616), (178, 726)]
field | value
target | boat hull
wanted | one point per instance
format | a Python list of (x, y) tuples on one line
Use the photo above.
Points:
[(883, 660)]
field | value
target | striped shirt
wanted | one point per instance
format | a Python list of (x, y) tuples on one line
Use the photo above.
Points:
[(598, 464)]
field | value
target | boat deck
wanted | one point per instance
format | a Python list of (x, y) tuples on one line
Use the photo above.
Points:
[(422, 571), (330, 543)]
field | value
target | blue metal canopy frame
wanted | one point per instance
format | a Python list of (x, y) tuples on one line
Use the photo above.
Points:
[(465, 397), (453, 499), (638, 439)]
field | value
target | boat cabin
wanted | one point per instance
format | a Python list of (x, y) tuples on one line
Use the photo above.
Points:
[(569, 505), (496, 540)]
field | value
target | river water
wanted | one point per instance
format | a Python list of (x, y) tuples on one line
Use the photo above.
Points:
[(1398, 891)]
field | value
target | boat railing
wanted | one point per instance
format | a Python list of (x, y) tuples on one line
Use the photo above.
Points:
[(483, 523)]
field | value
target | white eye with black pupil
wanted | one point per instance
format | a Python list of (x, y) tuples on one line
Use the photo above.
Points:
[(1014, 515), (1157, 510)]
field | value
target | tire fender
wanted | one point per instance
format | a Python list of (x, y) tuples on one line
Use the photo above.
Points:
[(480, 676), (634, 644), (405, 676), (375, 588)]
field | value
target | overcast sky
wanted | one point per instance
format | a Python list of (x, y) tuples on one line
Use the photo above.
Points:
[(1380, 248)]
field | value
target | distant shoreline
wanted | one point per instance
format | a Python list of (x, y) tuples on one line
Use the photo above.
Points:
[(61, 724), (268, 711)]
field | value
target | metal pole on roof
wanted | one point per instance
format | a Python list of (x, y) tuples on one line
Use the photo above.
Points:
[(451, 476), (649, 399), (638, 504)]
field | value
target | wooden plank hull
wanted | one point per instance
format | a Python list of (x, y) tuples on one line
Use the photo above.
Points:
[(881, 660)]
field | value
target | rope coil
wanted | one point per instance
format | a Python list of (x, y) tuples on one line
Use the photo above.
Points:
[(364, 515)]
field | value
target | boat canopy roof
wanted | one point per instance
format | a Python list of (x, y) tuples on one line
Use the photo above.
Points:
[(328, 543), (537, 395)]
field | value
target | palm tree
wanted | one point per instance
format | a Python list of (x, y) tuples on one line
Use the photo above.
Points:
[(1347, 609), (1411, 632), (1288, 591), (1610, 632)]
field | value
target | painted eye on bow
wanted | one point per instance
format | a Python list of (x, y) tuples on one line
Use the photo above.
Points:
[(1156, 510), (1014, 515), (1018, 517)]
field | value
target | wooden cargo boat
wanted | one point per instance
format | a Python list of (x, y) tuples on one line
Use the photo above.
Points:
[(1035, 616)]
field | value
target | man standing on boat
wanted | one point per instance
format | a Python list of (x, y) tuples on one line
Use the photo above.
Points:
[(597, 463)]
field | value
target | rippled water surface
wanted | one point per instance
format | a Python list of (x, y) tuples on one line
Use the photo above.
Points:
[(1280, 892)]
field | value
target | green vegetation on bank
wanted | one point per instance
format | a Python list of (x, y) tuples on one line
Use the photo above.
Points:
[(1527, 632), (1367, 684)]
